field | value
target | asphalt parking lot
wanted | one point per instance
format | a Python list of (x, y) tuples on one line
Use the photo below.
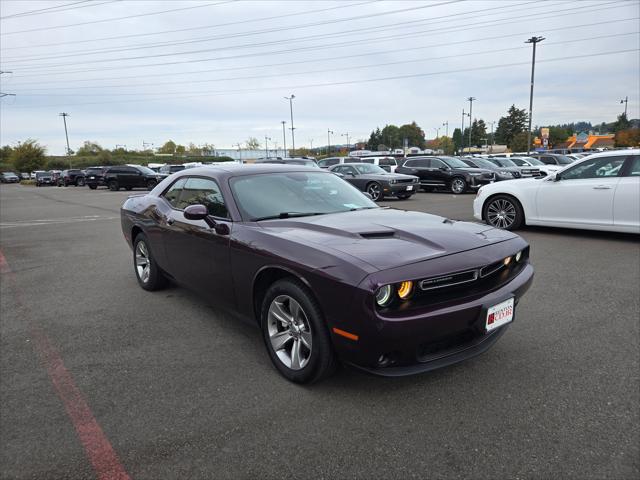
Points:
[(97, 375)]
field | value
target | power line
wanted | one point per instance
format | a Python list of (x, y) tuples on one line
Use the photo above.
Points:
[(176, 95), (190, 29), (56, 27), (322, 70), (326, 59), (59, 9), (466, 27), (249, 45)]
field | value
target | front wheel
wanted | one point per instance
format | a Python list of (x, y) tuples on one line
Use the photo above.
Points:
[(404, 196), (80, 182), (458, 185), (92, 187), (505, 212), (375, 190), (151, 184), (113, 186), (148, 273), (295, 333)]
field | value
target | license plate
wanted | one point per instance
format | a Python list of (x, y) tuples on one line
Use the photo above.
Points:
[(499, 315), (91, 178), (410, 187)]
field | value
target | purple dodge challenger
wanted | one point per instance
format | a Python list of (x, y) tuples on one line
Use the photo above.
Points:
[(326, 274)]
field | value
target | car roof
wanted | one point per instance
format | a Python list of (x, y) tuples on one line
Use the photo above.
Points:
[(236, 169)]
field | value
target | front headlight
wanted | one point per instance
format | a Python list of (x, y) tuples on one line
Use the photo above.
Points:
[(405, 290), (503, 172), (384, 295), (392, 181)]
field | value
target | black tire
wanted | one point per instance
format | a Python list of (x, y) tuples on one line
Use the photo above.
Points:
[(155, 280), (375, 190), (321, 361), (80, 182), (151, 184), (458, 185), (503, 211), (113, 186), (128, 189), (93, 187)]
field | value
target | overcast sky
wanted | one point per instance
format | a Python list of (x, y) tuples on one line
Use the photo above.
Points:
[(217, 71)]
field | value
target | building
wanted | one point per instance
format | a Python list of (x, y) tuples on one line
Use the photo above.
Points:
[(583, 141)]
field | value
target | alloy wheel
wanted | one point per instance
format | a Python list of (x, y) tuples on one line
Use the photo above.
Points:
[(289, 332), (501, 213), (457, 186), (374, 191), (143, 264)]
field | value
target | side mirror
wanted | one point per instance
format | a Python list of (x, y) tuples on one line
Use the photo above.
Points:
[(555, 177), (352, 174), (200, 212), (339, 174), (444, 169)]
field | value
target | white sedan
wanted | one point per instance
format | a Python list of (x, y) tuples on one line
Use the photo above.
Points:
[(599, 192)]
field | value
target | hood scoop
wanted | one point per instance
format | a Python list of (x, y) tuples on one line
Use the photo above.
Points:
[(380, 234)]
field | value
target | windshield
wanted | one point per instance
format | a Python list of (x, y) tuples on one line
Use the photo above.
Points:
[(367, 168), (146, 170), (523, 162), (301, 193), (482, 163), (564, 160), (504, 162), (43, 174), (454, 162)]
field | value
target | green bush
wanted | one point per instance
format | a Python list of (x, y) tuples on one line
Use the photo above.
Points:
[(28, 156), (28, 182)]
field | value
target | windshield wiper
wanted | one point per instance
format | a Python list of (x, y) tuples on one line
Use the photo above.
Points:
[(287, 215), (361, 208)]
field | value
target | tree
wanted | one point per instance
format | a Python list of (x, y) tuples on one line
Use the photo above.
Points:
[(375, 139), (5, 153), (457, 139), (252, 143), (622, 123), (28, 156), (558, 135), (628, 138), (391, 136), (168, 147), (478, 133), (89, 149), (413, 133), (519, 142), (508, 127), (447, 145)]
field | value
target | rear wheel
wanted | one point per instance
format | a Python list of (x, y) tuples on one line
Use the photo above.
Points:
[(458, 185), (295, 333), (93, 187), (151, 184), (80, 182), (375, 190), (504, 211), (113, 186), (148, 273)]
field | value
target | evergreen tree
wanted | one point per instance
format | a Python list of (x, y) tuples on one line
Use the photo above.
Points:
[(508, 127)]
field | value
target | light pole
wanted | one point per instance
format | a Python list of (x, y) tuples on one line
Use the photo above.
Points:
[(471, 99), (64, 116), (625, 101), (266, 149), (284, 138), (535, 41), (446, 124), (311, 142), (348, 143), (437, 129), (329, 132), (293, 139), (462, 132), (493, 141)]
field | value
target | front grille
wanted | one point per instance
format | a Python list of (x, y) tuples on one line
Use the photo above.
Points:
[(449, 280), (405, 180)]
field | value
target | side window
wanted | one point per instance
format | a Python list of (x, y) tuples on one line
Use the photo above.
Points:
[(174, 191), (333, 161), (323, 163), (595, 168), (634, 168), (547, 160), (339, 169), (368, 160), (435, 163), (349, 171), (205, 192)]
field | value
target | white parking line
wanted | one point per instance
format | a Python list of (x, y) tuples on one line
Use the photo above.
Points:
[(54, 221)]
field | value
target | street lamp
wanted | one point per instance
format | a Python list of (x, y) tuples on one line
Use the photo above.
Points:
[(329, 132), (437, 129), (471, 99), (462, 131), (284, 138), (535, 41), (293, 139), (446, 124), (625, 101), (348, 143), (266, 149)]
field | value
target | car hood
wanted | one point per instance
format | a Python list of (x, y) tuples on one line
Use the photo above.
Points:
[(473, 170), (386, 238), (387, 176)]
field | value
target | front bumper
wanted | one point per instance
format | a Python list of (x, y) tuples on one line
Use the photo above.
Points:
[(476, 182), (432, 339), (400, 188)]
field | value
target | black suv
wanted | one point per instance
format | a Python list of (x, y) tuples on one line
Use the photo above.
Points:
[(446, 172), (553, 159), (167, 170), (130, 176), (94, 176), (44, 178), (71, 177)]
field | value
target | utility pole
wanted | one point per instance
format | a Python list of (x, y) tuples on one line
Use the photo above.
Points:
[(64, 116), (493, 140), (625, 101), (329, 132), (293, 138), (284, 137), (535, 41), (311, 142), (446, 124), (471, 99), (437, 129), (462, 132), (348, 143), (266, 150)]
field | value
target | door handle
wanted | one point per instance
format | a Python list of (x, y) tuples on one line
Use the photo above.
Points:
[(602, 187)]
